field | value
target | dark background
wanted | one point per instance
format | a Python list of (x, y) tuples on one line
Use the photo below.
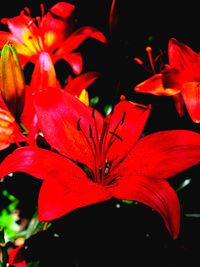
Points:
[(132, 235)]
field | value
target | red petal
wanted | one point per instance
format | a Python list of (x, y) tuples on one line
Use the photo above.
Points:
[(44, 73), (26, 32), (127, 122), (21, 48), (76, 86), (29, 118), (9, 129), (191, 96), (65, 122), (5, 36), (6, 128), (112, 17), (16, 257), (34, 161), (64, 192), (73, 59), (158, 84), (72, 42), (157, 194), (183, 58), (77, 37), (179, 104), (163, 154), (57, 24)]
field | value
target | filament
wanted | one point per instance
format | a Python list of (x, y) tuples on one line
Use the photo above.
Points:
[(148, 50)]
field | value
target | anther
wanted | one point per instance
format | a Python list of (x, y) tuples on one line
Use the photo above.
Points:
[(116, 135), (148, 50), (123, 118), (27, 11), (107, 167), (93, 110), (138, 60), (90, 131), (78, 124), (42, 9)]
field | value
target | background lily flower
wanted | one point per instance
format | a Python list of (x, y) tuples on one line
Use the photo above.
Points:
[(6, 128), (118, 162), (53, 32), (10, 131), (180, 79)]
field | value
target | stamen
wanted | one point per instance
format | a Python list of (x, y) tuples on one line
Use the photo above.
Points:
[(27, 11), (42, 9), (96, 136), (112, 179), (148, 50), (116, 135), (122, 97), (93, 110), (37, 21), (112, 139), (78, 124), (107, 167), (123, 118), (142, 106), (90, 131), (140, 62), (92, 146)]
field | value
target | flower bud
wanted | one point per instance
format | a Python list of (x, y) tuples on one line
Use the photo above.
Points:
[(12, 80)]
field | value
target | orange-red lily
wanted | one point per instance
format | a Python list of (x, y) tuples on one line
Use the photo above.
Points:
[(118, 162), (181, 79), (53, 32), (9, 130), (6, 128)]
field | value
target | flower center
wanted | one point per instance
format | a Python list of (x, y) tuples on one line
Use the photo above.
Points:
[(100, 144)]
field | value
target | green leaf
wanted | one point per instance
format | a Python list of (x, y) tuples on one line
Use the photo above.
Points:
[(128, 201), (185, 183), (2, 239), (107, 109), (94, 101), (33, 264)]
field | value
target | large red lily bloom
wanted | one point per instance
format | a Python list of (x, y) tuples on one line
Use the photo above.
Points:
[(53, 32), (180, 80), (119, 162)]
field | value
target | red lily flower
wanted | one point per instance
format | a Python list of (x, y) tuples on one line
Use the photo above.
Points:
[(10, 131), (52, 33), (180, 79), (6, 128), (119, 162)]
